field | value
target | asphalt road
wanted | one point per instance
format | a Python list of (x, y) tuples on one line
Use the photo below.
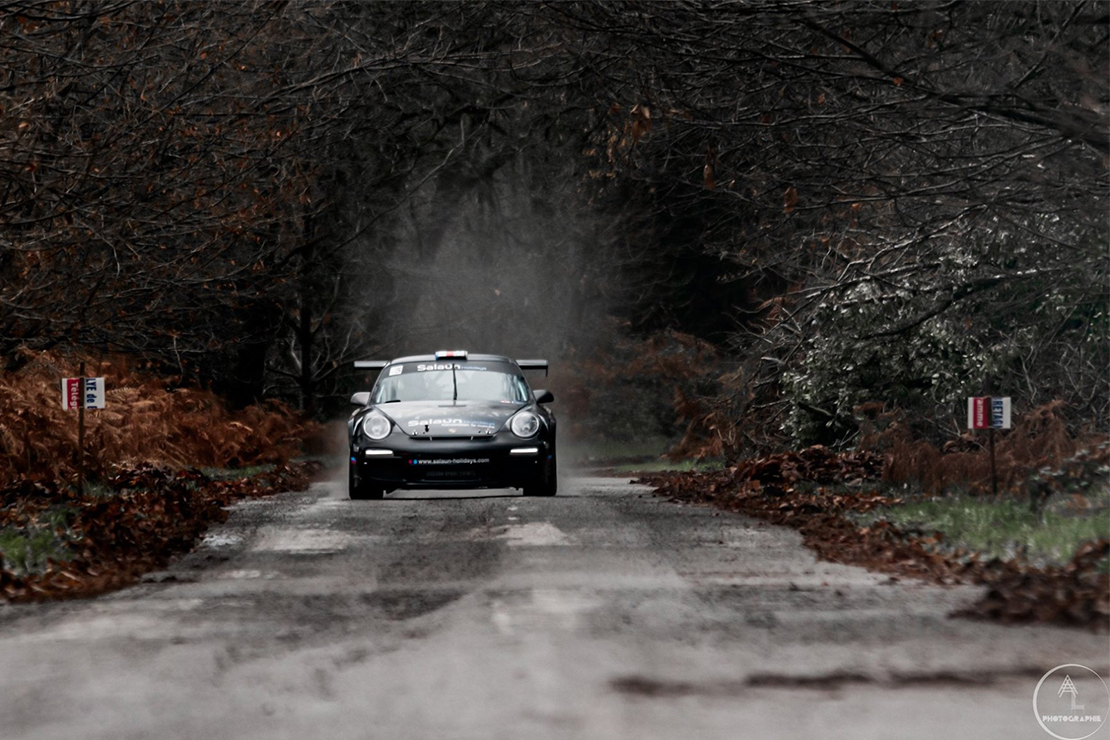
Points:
[(602, 613)]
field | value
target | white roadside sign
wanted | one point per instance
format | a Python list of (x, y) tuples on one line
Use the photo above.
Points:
[(986, 412), (92, 394)]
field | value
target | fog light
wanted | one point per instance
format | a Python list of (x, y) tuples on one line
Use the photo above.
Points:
[(379, 453), (525, 451)]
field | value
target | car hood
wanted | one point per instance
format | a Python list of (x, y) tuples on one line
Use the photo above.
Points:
[(447, 419)]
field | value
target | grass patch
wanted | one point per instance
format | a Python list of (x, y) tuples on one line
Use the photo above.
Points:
[(107, 540), (98, 490), (26, 549), (1003, 528), (235, 473)]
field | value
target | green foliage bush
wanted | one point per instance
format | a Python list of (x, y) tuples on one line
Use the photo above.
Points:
[(968, 325)]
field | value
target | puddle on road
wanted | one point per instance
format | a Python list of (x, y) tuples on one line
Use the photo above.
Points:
[(220, 539), (557, 608), (534, 534), (247, 575), (305, 541)]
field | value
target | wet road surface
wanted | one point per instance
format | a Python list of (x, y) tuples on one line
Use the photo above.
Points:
[(602, 613)]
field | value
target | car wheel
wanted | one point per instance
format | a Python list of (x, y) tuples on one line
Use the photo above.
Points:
[(359, 491), (546, 484)]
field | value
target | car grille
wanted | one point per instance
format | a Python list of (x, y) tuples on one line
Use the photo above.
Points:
[(452, 475), (483, 438)]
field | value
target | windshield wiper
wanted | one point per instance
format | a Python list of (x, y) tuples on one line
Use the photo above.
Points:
[(455, 383)]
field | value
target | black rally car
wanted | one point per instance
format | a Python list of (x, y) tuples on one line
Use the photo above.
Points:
[(452, 420)]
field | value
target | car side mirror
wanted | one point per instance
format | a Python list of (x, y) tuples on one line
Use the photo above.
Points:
[(361, 399), (544, 397)]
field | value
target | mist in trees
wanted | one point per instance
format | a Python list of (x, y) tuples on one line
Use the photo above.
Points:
[(902, 203)]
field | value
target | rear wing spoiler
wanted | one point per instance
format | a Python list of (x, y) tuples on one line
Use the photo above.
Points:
[(380, 364), (533, 365)]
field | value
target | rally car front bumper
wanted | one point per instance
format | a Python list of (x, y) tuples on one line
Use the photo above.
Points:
[(499, 461)]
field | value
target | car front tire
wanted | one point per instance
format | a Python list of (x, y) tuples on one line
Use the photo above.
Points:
[(547, 484), (358, 490)]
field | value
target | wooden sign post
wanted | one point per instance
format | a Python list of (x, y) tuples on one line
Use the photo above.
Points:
[(990, 413), (82, 393), (81, 432)]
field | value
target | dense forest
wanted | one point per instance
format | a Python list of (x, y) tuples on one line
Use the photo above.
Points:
[(826, 208)]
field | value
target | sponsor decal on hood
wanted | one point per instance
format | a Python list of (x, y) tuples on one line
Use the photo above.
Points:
[(436, 419)]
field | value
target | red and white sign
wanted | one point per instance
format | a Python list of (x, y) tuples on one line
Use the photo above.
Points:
[(92, 396), (71, 393), (985, 412)]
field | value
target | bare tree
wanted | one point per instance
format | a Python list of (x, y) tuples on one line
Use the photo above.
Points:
[(259, 193), (901, 203)]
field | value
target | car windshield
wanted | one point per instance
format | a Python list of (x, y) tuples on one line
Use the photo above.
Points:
[(438, 385)]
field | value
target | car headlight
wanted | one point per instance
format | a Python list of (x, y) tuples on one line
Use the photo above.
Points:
[(525, 424), (375, 426)]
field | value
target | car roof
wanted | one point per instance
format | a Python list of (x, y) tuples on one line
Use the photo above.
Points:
[(469, 358)]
